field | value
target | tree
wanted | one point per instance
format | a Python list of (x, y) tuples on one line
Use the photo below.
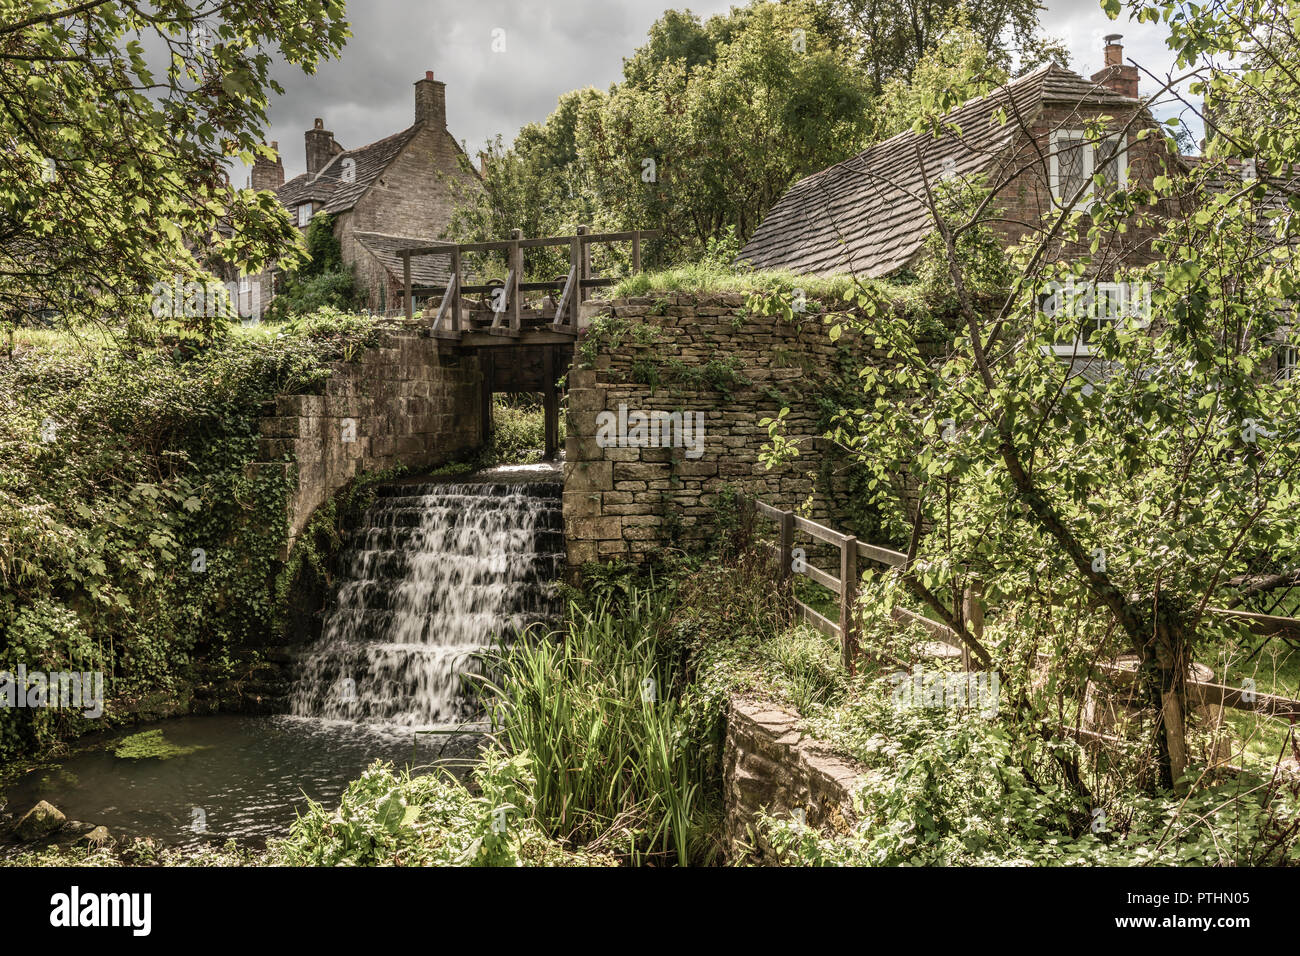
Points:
[(700, 149), (1110, 512), (958, 67), (117, 120), (891, 37), (323, 280)]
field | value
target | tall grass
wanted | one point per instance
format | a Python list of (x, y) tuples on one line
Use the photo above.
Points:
[(599, 710)]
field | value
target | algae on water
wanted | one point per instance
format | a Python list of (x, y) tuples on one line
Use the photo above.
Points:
[(151, 745)]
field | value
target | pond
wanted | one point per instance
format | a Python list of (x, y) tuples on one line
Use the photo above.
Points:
[(243, 778)]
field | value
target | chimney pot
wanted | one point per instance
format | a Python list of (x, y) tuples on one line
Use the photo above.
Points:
[(428, 74), (320, 123)]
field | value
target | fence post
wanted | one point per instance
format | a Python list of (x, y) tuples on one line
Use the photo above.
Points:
[(517, 277), (454, 292), (848, 601), (584, 272), (973, 615), (784, 559), (406, 285), (575, 267)]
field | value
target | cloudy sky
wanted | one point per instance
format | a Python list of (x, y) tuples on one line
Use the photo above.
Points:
[(550, 46)]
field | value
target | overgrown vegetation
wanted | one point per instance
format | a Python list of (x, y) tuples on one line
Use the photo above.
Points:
[(132, 539)]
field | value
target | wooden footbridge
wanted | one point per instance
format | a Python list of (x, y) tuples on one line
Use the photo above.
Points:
[(522, 332)]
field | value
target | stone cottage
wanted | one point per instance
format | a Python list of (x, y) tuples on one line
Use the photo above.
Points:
[(394, 193)]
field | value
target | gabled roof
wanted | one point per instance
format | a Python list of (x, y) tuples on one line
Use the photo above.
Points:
[(427, 270), (868, 216), (329, 186)]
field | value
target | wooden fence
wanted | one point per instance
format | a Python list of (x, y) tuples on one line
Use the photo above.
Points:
[(845, 587), (507, 311)]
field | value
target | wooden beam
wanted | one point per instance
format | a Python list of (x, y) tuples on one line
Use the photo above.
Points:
[(406, 284), (487, 364), (787, 541), (455, 295), (517, 275), (848, 602), (551, 405)]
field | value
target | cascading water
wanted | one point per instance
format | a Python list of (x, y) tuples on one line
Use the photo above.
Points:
[(435, 574)]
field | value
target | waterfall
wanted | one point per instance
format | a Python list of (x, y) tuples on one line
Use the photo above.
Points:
[(434, 575)]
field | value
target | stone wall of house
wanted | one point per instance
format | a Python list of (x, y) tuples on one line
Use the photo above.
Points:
[(1028, 196), (413, 197), (705, 355), (769, 766), (404, 403)]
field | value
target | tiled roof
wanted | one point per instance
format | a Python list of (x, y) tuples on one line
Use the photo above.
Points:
[(868, 216), (431, 270), (329, 186)]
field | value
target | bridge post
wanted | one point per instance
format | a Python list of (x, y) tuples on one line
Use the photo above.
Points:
[(455, 292), (487, 364), (787, 546), (550, 405), (406, 285), (516, 272), (584, 270)]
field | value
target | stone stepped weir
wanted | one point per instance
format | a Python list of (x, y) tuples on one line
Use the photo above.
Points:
[(435, 575)]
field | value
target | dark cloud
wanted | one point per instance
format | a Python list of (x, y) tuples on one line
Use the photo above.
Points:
[(551, 46)]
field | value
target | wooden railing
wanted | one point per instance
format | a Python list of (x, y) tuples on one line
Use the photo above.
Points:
[(845, 587), (507, 311)]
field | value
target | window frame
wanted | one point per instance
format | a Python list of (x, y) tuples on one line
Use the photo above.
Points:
[(1286, 363), (1091, 153), (305, 213), (1123, 294)]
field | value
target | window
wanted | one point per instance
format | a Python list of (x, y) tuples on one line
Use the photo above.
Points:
[(1286, 360), (1085, 309), (1075, 159), (304, 214)]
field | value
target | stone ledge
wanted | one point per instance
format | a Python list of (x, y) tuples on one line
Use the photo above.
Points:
[(770, 765)]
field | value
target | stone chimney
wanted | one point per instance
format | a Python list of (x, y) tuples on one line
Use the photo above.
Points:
[(267, 174), (1117, 76), (320, 147), (430, 102)]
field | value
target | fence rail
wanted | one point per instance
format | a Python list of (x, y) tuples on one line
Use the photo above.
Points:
[(507, 311), (971, 613)]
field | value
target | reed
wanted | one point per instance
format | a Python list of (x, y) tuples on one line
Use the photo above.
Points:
[(597, 708)]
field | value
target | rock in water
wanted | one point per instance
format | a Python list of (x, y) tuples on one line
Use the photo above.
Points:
[(40, 821)]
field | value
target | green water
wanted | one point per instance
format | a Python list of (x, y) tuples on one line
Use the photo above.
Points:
[(245, 778)]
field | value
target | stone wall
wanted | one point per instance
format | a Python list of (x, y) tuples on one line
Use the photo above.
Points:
[(403, 403), (698, 354), (769, 766)]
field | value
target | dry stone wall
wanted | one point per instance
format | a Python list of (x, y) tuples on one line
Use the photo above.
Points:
[(769, 766), (403, 403), (704, 355)]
